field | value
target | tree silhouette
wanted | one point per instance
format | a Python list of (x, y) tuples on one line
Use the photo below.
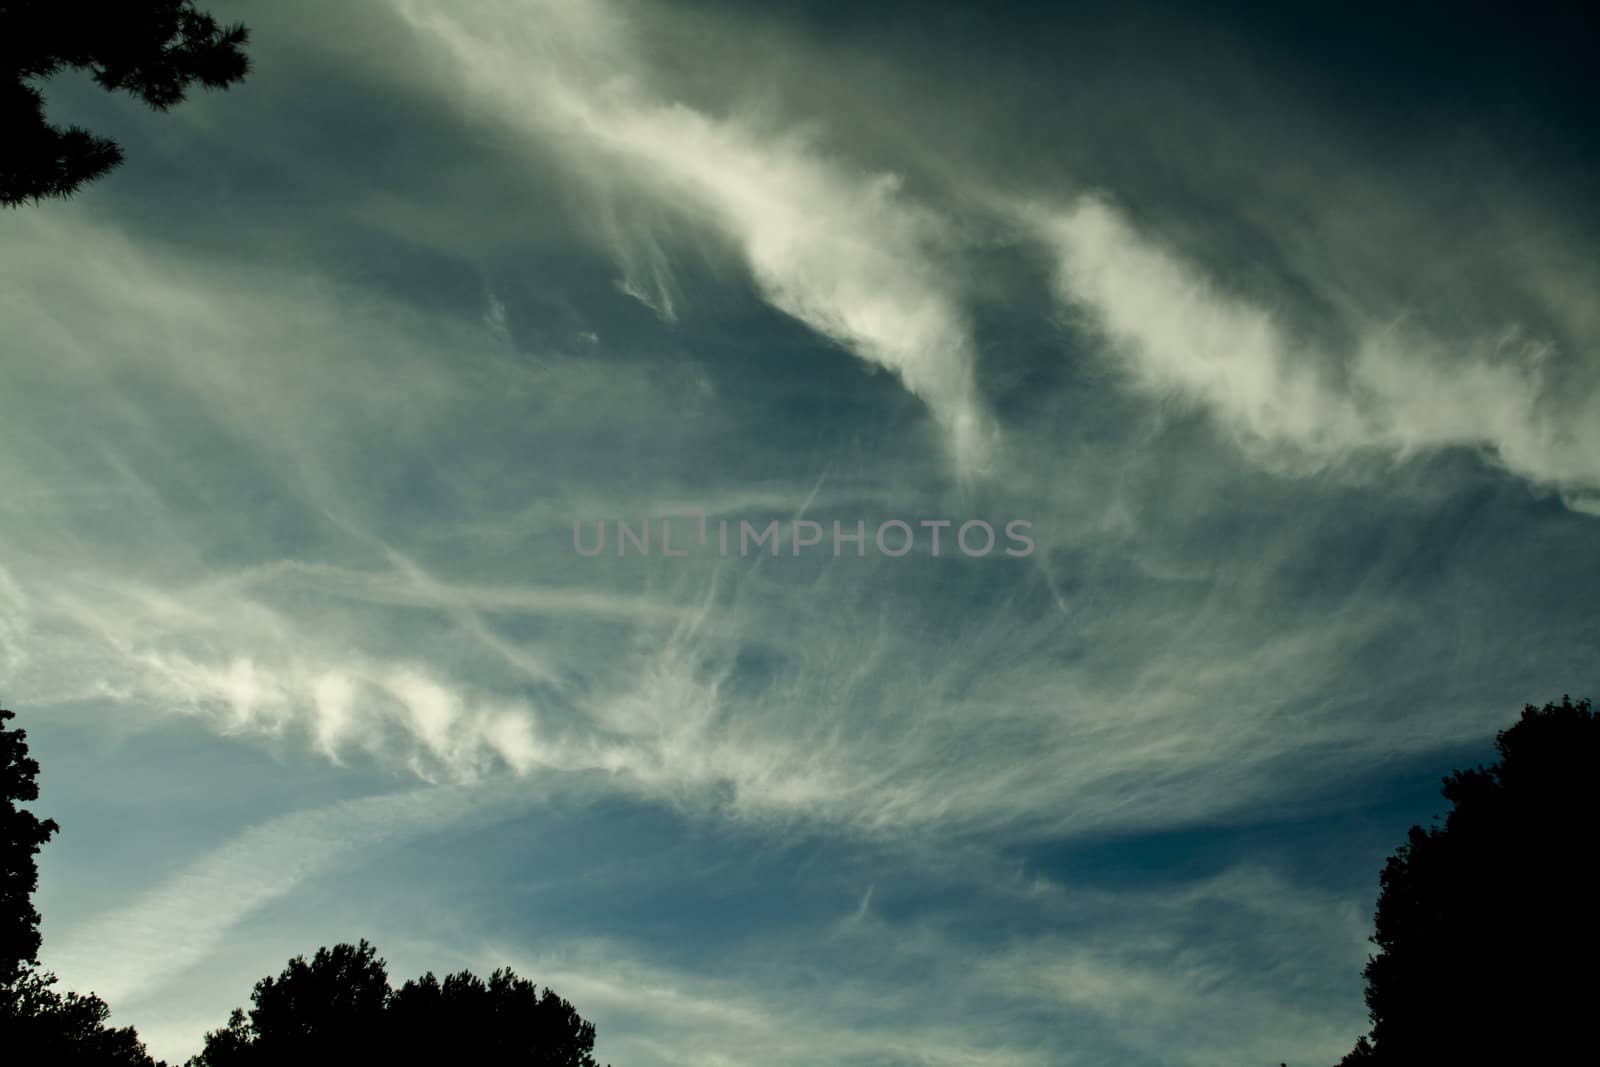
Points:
[(504, 1020), (335, 1008), (38, 1024), (153, 49), (338, 1007), (22, 834), (330, 1008), (1487, 928)]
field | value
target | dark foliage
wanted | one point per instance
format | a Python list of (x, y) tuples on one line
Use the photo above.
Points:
[(153, 49), (39, 1024), (335, 1008), (22, 834), (338, 1008), (1487, 927), (504, 1020)]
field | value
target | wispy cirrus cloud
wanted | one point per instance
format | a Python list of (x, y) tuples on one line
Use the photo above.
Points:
[(843, 250), (1296, 404), (1220, 964), (302, 491), (291, 457), (132, 953)]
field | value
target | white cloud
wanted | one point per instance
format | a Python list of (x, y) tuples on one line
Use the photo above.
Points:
[(1294, 404), (130, 954), (219, 477), (1232, 968), (841, 250), (669, 1017), (507, 656)]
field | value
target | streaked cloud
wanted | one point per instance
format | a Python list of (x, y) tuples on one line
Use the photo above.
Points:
[(843, 250), (292, 450), (131, 954), (1297, 405)]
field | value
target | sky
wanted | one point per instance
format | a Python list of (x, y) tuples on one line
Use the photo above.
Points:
[(1275, 333)]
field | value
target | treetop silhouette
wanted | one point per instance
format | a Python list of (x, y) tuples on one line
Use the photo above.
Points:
[(1487, 926), (152, 49), (38, 1023), (338, 1007), (22, 834)]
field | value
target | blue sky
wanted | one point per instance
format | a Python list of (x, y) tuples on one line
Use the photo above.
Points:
[(1286, 355)]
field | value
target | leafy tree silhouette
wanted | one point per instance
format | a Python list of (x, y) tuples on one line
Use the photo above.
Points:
[(504, 1020), (38, 1024), (338, 1007), (22, 834), (330, 1008), (1487, 929), (335, 1008), (153, 49)]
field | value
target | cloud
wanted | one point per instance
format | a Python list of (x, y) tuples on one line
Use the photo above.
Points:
[(309, 485), (844, 251), (132, 953), (1225, 969), (1296, 405), (302, 512), (664, 1017), (1203, 969)]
